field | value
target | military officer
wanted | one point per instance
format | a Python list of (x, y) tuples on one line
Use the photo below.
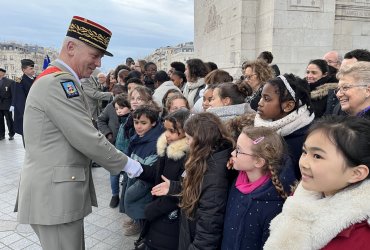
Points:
[(94, 96), (56, 189), (6, 86), (20, 93)]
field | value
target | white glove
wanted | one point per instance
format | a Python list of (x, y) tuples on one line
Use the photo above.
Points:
[(132, 168), (11, 109)]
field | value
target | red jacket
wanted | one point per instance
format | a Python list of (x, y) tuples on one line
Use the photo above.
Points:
[(354, 237)]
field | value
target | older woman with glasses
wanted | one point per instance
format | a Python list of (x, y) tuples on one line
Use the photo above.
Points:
[(353, 90)]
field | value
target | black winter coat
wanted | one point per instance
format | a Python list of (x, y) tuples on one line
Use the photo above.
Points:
[(6, 89), (205, 230), (320, 95), (20, 94), (161, 230), (295, 142)]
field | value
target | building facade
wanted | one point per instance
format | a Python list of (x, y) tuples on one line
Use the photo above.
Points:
[(164, 56), (11, 54), (295, 31)]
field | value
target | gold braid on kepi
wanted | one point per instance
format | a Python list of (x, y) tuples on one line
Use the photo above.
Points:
[(90, 33)]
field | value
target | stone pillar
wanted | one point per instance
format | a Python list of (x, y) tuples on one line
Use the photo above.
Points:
[(295, 31)]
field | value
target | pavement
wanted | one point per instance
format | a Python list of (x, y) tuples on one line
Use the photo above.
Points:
[(103, 227)]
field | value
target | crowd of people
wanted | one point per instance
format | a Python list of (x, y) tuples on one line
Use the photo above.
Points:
[(199, 159)]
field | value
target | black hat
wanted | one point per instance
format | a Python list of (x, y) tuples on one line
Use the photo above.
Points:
[(2, 70), (27, 62), (90, 33)]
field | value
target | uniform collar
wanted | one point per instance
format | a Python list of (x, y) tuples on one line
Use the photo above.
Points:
[(69, 69)]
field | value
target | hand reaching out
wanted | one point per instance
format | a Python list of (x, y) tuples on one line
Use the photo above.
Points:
[(162, 188)]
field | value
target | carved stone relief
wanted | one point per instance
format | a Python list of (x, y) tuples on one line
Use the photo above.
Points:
[(355, 10), (214, 20)]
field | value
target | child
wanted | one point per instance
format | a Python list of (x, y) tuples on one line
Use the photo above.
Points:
[(257, 195), (176, 102), (330, 207), (122, 108), (169, 93), (141, 148), (162, 228), (139, 96), (207, 96), (205, 184), (228, 100), (285, 106)]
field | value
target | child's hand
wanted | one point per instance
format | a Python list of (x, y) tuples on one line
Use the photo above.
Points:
[(230, 163), (162, 188)]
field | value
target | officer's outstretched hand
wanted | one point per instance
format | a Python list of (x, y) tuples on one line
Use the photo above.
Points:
[(132, 168)]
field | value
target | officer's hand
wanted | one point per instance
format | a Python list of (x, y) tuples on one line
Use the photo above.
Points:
[(11, 109), (132, 168)]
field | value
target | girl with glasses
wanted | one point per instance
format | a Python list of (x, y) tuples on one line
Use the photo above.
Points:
[(257, 195)]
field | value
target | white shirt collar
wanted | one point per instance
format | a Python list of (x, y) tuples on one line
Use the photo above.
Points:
[(70, 70)]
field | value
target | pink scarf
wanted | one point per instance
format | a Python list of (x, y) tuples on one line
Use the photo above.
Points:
[(246, 187)]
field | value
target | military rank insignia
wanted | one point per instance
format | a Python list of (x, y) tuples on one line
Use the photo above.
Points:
[(70, 89)]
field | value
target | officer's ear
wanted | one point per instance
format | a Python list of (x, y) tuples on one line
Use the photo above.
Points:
[(71, 47)]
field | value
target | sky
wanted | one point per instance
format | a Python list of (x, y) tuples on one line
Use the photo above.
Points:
[(138, 26)]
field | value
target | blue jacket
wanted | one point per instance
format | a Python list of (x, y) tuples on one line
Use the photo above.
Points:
[(143, 149), (248, 216)]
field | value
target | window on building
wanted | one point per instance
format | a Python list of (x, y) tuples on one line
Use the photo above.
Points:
[(11, 57)]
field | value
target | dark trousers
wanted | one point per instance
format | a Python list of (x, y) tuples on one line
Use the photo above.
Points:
[(9, 122)]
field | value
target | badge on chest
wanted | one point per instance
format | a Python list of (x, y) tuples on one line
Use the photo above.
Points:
[(70, 89)]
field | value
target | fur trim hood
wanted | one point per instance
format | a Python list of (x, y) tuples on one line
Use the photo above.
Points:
[(175, 150), (323, 90), (310, 221)]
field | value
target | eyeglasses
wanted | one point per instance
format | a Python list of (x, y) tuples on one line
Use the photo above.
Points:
[(237, 151), (332, 62), (345, 88), (248, 77)]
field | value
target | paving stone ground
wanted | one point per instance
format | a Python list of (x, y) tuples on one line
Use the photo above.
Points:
[(103, 228)]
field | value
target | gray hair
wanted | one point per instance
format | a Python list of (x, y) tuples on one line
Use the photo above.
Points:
[(358, 70)]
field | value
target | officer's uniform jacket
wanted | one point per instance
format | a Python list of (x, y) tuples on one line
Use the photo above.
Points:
[(94, 95), (56, 185)]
